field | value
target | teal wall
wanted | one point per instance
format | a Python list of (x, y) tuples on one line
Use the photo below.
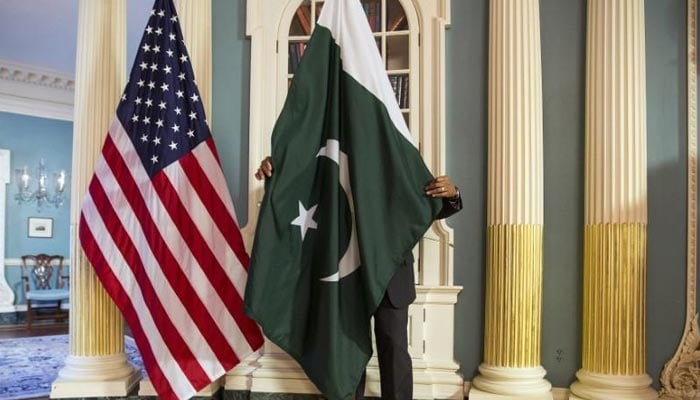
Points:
[(667, 169), (229, 122), (29, 139), (467, 116)]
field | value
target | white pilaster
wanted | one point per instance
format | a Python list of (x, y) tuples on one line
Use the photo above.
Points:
[(7, 296), (97, 364)]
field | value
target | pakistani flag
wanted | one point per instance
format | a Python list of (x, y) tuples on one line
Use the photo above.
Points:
[(344, 206)]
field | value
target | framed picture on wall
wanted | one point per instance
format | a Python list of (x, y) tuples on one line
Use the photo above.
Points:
[(39, 227)]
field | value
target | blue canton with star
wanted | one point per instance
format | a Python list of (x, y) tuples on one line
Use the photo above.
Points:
[(160, 108)]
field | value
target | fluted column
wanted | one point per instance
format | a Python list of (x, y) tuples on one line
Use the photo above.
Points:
[(512, 334), (195, 21), (96, 364), (614, 281)]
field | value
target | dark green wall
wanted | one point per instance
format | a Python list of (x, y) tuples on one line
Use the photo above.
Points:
[(563, 60)]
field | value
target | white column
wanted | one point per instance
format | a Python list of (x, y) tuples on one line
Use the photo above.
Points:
[(512, 328), (615, 232), (7, 296), (96, 364)]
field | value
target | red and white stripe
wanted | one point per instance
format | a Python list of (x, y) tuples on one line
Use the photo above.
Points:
[(169, 252)]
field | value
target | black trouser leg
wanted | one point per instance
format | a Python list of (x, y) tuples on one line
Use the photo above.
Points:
[(395, 367)]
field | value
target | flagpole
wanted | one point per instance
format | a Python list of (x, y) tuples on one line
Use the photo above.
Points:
[(97, 364)]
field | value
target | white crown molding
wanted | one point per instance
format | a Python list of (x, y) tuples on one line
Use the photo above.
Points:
[(39, 92)]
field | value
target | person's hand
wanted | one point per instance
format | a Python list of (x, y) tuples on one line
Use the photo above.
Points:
[(265, 169), (441, 186)]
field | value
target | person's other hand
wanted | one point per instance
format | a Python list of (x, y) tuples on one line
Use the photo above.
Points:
[(441, 186), (265, 169)]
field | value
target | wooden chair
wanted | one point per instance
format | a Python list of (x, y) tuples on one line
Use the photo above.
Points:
[(38, 277)]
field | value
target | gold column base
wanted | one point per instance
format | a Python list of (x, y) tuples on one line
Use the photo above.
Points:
[(614, 303), (512, 328)]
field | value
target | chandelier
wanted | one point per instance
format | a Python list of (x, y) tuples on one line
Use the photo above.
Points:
[(35, 188)]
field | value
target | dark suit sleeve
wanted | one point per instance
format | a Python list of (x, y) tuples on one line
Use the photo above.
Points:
[(449, 207)]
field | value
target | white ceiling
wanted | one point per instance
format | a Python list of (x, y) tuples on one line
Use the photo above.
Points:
[(43, 33)]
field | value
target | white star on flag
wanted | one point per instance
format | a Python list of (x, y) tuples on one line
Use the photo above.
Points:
[(305, 220)]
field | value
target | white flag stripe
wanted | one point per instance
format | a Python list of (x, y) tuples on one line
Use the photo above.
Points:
[(179, 248), (221, 250), (210, 165), (118, 265), (172, 304), (208, 229), (360, 57)]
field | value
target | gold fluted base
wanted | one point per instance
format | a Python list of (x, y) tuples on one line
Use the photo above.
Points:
[(96, 325), (513, 296), (614, 303)]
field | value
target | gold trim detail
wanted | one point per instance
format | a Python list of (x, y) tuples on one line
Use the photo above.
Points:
[(513, 296), (614, 302), (100, 329)]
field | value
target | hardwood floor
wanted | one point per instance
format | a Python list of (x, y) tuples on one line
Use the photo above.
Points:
[(20, 330)]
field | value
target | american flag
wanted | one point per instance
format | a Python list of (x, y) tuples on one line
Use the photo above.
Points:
[(159, 226)]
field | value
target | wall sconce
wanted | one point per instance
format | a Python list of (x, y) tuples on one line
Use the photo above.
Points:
[(30, 192)]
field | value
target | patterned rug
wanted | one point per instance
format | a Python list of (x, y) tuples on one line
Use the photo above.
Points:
[(28, 366)]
